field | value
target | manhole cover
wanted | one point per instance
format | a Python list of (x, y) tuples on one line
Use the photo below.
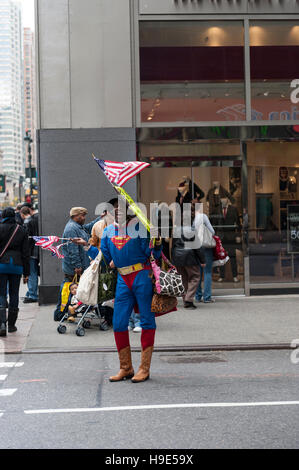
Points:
[(192, 358)]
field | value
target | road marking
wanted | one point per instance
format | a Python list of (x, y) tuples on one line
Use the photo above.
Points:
[(1, 414), (11, 364), (7, 392), (2, 377), (161, 407), (32, 380)]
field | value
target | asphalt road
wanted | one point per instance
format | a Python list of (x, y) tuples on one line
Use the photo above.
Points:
[(193, 401)]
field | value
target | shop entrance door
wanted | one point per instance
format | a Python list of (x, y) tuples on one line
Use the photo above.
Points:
[(217, 173)]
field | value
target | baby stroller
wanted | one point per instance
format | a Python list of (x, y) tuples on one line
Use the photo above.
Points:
[(86, 313)]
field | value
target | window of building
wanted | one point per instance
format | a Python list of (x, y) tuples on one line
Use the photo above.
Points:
[(192, 71), (273, 209), (274, 54)]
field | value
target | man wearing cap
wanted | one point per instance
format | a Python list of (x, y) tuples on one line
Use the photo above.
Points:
[(76, 259)]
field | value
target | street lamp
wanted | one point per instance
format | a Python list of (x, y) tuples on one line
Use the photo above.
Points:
[(28, 139)]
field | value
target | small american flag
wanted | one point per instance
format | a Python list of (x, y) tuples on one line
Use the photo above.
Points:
[(119, 173), (46, 243), (56, 252)]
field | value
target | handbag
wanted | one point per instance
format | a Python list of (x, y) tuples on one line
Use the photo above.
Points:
[(162, 304), (87, 291), (107, 283), (220, 254), (169, 282), (205, 236)]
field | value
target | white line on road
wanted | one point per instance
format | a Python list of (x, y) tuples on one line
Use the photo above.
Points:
[(2, 377), (3, 365), (161, 407), (7, 392)]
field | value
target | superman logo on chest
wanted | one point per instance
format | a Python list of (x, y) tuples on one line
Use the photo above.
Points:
[(119, 242)]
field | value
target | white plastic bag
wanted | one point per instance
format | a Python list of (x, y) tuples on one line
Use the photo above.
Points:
[(87, 291)]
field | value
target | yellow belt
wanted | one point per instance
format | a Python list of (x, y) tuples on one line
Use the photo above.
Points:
[(131, 269)]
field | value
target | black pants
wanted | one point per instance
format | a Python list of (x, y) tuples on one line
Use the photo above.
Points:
[(231, 249), (13, 282)]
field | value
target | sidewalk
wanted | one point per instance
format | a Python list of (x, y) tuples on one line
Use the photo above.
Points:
[(230, 322)]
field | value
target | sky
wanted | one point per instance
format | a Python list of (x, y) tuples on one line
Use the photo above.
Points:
[(28, 13)]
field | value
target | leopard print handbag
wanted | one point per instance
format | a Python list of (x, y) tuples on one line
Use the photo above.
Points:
[(168, 283), (162, 304)]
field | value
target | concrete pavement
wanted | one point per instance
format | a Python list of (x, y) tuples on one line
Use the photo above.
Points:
[(236, 322)]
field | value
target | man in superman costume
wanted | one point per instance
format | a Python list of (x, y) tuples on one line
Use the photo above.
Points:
[(130, 255)]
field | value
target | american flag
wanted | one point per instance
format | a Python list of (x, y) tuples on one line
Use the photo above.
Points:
[(47, 244), (119, 173), (56, 252)]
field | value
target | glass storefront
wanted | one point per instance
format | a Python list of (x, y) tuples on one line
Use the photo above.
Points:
[(195, 71), (249, 190), (274, 57), (192, 71), (216, 170), (273, 209)]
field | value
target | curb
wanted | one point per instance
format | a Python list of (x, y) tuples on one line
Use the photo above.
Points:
[(186, 348)]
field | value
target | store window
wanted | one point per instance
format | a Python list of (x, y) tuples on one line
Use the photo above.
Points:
[(192, 71), (213, 173), (273, 209), (274, 52)]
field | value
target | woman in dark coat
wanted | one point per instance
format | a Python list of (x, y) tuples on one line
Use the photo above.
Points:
[(14, 262)]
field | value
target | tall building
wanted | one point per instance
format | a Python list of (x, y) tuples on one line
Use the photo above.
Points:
[(29, 91), (199, 89), (11, 89)]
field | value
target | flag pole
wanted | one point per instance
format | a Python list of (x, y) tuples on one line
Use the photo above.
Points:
[(126, 197)]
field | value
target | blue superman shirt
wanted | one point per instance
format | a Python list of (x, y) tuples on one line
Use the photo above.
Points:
[(127, 245)]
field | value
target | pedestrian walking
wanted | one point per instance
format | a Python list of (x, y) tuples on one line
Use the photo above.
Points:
[(134, 284), (206, 271), (19, 218), (30, 218), (14, 262), (187, 259)]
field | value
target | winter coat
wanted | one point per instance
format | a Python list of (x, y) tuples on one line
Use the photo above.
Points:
[(16, 259), (31, 226), (74, 255), (182, 255)]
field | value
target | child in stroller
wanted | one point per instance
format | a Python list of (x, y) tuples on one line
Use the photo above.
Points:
[(74, 306)]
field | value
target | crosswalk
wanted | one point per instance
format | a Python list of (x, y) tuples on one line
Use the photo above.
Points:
[(7, 392)]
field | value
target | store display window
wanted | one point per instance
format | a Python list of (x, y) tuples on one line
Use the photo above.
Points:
[(273, 209), (274, 56), (192, 71)]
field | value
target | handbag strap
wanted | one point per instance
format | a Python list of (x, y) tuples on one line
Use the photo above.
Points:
[(10, 240), (153, 260)]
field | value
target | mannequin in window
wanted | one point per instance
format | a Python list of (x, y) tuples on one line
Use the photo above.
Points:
[(214, 196), (184, 195), (230, 236), (287, 183)]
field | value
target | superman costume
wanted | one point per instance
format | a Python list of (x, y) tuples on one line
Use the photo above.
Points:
[(134, 286)]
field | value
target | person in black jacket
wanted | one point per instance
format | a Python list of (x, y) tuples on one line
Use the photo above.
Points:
[(31, 226), (14, 262), (187, 260)]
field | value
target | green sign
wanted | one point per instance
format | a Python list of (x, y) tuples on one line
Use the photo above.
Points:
[(2, 183)]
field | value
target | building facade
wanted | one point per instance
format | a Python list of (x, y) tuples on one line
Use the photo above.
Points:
[(11, 91), (29, 92), (200, 89)]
